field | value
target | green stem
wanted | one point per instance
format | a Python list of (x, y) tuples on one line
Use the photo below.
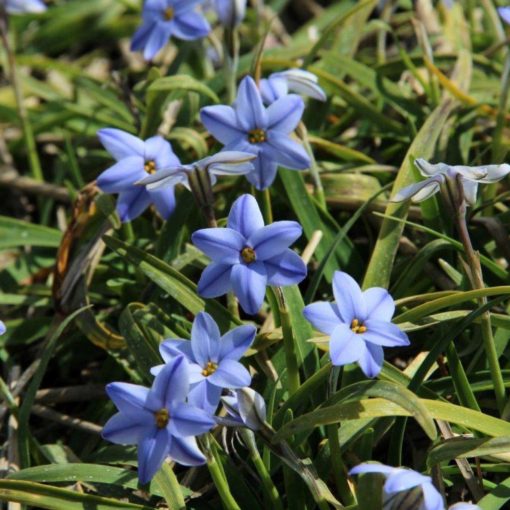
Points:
[(28, 134), (264, 198), (231, 60), (271, 493), (170, 488), (338, 466), (218, 476), (200, 185), (289, 344)]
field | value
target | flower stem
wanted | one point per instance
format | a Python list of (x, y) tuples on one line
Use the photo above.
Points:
[(289, 344), (264, 198), (200, 184), (270, 490), (218, 476), (231, 60), (170, 487), (476, 278), (28, 134)]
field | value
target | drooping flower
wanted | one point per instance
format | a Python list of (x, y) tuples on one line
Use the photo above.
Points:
[(440, 173), (3, 329), (402, 479), (278, 85), (163, 19), (247, 256), (24, 6), (504, 12), (223, 163), (135, 159), (158, 420), (359, 324), (250, 127), (230, 12), (213, 359), (245, 408)]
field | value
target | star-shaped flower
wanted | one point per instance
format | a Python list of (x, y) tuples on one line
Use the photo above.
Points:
[(158, 420), (440, 173), (135, 160), (401, 479), (278, 85), (247, 256), (213, 359), (250, 127), (359, 324), (163, 19)]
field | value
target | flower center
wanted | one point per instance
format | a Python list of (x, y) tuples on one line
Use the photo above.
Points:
[(168, 13), (209, 369), (162, 418), (248, 254), (257, 136), (357, 327), (150, 166)]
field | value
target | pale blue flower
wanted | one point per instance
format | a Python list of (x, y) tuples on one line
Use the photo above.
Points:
[(359, 324), (247, 256), (158, 420), (135, 159), (3, 329), (163, 19), (402, 479), (213, 359), (302, 82), (504, 12), (24, 6), (265, 132)]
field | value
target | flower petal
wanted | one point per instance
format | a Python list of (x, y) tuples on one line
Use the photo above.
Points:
[(185, 451), (429, 169), (420, 191), (379, 303), (371, 359), (245, 216), (265, 171), (504, 12), (157, 39), (274, 239), (404, 479), (164, 200), (188, 420), (205, 395), (122, 175), (272, 88), (230, 374), (470, 189), (384, 333), (215, 280), (433, 500), (221, 122), (152, 450), (251, 113), (323, 316), (121, 429), (131, 203), (249, 285), (190, 26), (205, 339), (173, 347), (142, 35), (160, 151), (3, 329), (286, 152), (170, 386), (285, 113), (129, 398), (366, 467), (236, 342), (287, 268), (222, 245), (349, 298), (121, 144), (344, 346)]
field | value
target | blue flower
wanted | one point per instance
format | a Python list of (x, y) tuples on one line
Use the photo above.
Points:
[(245, 408), (135, 159), (24, 6), (230, 12), (3, 329), (163, 19), (247, 256), (213, 359), (250, 127), (358, 324), (158, 420), (223, 163), (504, 12), (400, 479), (294, 80)]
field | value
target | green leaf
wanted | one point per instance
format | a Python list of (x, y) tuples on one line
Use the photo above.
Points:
[(16, 233)]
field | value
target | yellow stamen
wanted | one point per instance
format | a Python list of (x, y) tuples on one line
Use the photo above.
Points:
[(209, 369), (162, 418), (357, 327), (248, 254), (257, 136), (150, 166), (168, 13)]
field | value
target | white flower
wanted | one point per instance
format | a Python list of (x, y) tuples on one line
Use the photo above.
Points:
[(470, 177), (293, 80)]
